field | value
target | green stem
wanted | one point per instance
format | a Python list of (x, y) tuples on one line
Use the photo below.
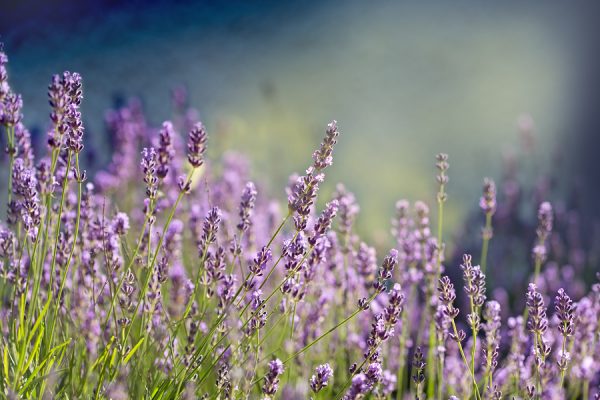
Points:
[(462, 354), (10, 138), (403, 338), (486, 241), (562, 371)]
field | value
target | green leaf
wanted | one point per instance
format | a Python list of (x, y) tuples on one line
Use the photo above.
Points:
[(132, 351)]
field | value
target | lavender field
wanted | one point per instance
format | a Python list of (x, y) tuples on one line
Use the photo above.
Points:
[(170, 275)]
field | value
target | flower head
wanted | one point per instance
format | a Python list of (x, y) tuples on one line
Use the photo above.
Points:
[(487, 202), (323, 156), (564, 310), (321, 377), (537, 322), (165, 149), (197, 145), (271, 384), (247, 204)]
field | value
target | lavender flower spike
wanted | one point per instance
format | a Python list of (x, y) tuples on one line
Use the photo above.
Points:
[(487, 202), (387, 268), (149, 168), (13, 104), (566, 318), (197, 145), (564, 310), (210, 227), (321, 377), (247, 204), (4, 87), (260, 261), (272, 378), (165, 149), (324, 222), (543, 230), (419, 366), (537, 322), (75, 130), (323, 156), (25, 189)]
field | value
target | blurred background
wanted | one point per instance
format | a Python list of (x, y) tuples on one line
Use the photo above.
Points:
[(405, 80)]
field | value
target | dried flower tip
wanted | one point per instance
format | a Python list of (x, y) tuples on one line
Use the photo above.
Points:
[(442, 165)]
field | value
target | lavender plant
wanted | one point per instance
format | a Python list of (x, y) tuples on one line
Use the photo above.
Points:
[(170, 274)]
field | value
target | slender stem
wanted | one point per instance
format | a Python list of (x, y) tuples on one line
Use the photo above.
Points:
[(462, 354), (486, 241), (402, 347), (431, 369), (10, 136), (562, 371), (155, 256)]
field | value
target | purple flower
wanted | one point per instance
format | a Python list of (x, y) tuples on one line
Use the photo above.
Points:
[(474, 281), (272, 378), (321, 377), (4, 87), (387, 268), (566, 324), (247, 204), (120, 224), (24, 146), (65, 94), (360, 385), (12, 105), (323, 156), (395, 305), (487, 202), (388, 382), (165, 149), (419, 366), (196, 145), (366, 261), (26, 201), (374, 373), (491, 328), (348, 209), (564, 311), (447, 295), (260, 261), (302, 196), (209, 230), (149, 169), (324, 222), (537, 322), (543, 230), (75, 129)]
